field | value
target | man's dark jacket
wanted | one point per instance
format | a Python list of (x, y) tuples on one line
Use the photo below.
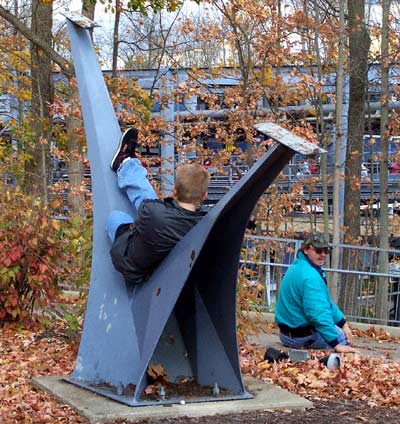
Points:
[(139, 248)]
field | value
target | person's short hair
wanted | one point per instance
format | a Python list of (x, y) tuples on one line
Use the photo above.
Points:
[(191, 182)]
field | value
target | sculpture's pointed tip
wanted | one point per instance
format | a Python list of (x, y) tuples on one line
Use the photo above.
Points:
[(287, 138), (80, 20)]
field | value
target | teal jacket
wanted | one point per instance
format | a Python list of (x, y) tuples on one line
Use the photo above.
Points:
[(304, 300)]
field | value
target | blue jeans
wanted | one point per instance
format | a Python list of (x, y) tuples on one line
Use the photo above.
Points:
[(133, 181), (315, 341)]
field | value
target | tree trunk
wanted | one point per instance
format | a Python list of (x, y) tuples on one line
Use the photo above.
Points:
[(116, 38), (43, 44), (321, 123), (337, 174), (37, 170), (359, 42), (382, 289), (75, 161)]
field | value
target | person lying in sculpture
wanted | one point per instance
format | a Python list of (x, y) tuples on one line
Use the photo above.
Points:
[(140, 242), (306, 315)]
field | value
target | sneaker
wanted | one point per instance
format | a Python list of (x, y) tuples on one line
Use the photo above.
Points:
[(126, 148), (333, 361), (274, 355)]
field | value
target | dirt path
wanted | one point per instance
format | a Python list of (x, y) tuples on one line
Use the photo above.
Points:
[(324, 412)]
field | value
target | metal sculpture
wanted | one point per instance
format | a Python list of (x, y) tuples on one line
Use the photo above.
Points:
[(184, 317)]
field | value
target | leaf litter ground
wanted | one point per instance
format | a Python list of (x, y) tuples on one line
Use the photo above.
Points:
[(363, 390)]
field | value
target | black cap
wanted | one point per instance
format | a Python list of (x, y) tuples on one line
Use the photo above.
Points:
[(316, 239)]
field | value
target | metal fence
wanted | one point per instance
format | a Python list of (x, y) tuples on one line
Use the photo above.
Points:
[(364, 293)]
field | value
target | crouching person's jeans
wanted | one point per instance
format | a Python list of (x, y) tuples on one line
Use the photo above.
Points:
[(313, 341)]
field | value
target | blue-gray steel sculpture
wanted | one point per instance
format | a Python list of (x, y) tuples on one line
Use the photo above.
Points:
[(184, 317)]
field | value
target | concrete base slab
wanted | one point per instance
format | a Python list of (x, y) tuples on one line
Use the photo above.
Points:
[(99, 409)]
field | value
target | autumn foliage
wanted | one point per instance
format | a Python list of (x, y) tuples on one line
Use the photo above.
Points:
[(371, 380), (29, 253), (29, 353), (36, 253)]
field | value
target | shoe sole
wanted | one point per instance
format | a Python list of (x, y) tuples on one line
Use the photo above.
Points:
[(118, 150)]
